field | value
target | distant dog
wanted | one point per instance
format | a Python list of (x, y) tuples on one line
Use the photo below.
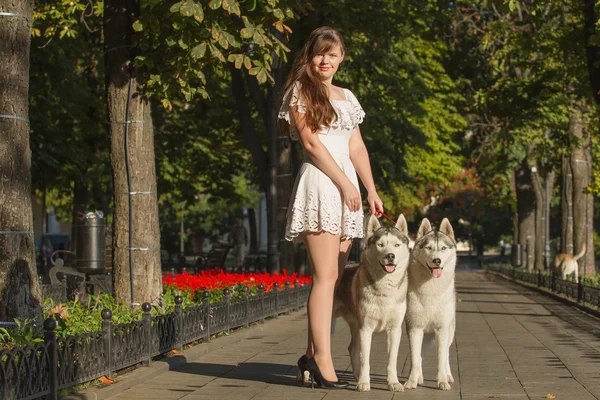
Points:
[(431, 299), (372, 298), (566, 264)]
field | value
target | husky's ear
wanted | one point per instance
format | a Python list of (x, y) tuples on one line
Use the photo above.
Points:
[(402, 225), (446, 229), (424, 229), (371, 225)]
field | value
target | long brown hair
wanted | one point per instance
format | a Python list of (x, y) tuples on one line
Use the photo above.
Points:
[(319, 111)]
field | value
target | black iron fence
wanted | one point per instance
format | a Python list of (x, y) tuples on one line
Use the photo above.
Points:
[(553, 282), (41, 370)]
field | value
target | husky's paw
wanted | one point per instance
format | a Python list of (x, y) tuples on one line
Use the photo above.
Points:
[(450, 378), (444, 386), (363, 386), (420, 380), (411, 383), (396, 387)]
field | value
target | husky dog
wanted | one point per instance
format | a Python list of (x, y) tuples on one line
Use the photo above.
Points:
[(431, 299), (566, 264), (371, 297)]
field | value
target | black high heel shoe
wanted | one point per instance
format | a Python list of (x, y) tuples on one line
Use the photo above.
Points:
[(316, 376), (302, 368)]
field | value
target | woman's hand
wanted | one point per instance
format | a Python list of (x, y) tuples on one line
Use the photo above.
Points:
[(375, 203), (351, 196)]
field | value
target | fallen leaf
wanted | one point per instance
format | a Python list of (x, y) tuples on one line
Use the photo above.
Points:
[(176, 352), (550, 396), (459, 300), (61, 310), (509, 378), (493, 397), (106, 380)]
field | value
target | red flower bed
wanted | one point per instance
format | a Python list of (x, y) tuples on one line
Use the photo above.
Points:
[(214, 279)]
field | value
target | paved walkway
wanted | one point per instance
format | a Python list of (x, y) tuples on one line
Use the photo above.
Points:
[(511, 343)]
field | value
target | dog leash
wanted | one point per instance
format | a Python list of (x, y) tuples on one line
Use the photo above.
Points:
[(388, 218)]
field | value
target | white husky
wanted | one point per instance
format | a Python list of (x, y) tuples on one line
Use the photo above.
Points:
[(431, 299), (372, 298)]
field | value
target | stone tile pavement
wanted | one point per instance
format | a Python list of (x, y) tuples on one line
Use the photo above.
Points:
[(511, 343)]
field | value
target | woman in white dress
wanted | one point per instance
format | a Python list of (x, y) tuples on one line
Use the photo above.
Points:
[(325, 209)]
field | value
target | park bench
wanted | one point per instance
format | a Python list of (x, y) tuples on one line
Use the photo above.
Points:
[(215, 257)]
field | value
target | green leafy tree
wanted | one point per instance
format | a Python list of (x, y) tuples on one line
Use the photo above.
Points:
[(524, 107)]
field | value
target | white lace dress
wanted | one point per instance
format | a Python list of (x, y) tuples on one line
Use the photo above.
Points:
[(316, 202)]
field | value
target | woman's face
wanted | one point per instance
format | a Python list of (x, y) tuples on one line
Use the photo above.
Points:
[(325, 64)]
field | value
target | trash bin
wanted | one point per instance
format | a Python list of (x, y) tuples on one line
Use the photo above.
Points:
[(516, 258), (90, 245)]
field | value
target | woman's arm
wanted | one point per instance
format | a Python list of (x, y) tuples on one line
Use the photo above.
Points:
[(323, 160), (360, 159)]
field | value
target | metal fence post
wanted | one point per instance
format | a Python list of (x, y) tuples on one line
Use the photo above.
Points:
[(207, 316), (227, 294), (580, 289), (539, 282), (147, 321), (276, 289), (178, 323), (50, 326), (107, 337), (288, 303), (297, 291), (261, 293), (247, 301), (553, 284)]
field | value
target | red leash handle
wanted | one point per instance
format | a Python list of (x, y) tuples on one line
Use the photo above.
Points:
[(388, 218)]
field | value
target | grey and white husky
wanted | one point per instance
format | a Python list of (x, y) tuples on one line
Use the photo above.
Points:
[(372, 297), (431, 299)]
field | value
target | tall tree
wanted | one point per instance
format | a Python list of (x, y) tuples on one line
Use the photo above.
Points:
[(181, 42), (581, 174), (19, 284), (136, 235)]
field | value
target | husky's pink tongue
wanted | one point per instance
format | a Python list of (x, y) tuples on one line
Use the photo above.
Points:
[(436, 272), (390, 268)]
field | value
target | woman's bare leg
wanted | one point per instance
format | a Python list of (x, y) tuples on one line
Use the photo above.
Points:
[(324, 250), (345, 246)]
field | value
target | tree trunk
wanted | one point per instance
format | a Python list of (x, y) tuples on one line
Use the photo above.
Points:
[(144, 248), (273, 255), (526, 211), (20, 295), (253, 230), (583, 206), (540, 220), (549, 189), (566, 200), (248, 134), (285, 182), (515, 214)]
